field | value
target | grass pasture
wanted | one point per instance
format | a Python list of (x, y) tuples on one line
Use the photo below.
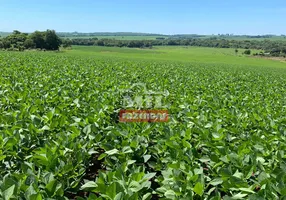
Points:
[(176, 54)]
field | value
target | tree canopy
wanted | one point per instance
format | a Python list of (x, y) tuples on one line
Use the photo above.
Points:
[(47, 40)]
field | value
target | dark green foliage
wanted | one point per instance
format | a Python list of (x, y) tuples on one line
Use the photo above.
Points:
[(40, 40), (6, 44), (17, 37), (135, 44), (52, 41), (29, 44), (99, 43), (16, 40), (16, 32), (247, 52), (66, 43)]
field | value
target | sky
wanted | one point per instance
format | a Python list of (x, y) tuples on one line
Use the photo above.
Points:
[(252, 17)]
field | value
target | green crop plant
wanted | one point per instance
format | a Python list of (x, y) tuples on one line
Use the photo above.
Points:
[(60, 137)]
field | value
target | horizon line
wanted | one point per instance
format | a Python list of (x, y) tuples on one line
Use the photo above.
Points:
[(148, 33)]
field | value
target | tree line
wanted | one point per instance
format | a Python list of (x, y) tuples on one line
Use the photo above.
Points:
[(274, 48), (111, 42), (121, 34), (45, 40)]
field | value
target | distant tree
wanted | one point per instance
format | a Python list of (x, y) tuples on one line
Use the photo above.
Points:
[(172, 42), (39, 39), (17, 40), (236, 51), (52, 41), (1, 45), (100, 43), (135, 44), (185, 42), (275, 52), (6, 44), (120, 44), (21, 47), (148, 45), (15, 32), (247, 52), (67, 43), (29, 44), (131, 44)]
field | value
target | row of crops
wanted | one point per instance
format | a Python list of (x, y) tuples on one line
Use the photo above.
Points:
[(60, 137)]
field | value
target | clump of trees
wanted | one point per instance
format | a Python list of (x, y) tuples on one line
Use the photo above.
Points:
[(66, 43), (278, 52), (247, 52), (47, 40), (112, 42)]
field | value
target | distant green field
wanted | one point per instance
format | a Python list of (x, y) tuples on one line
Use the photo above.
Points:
[(177, 54)]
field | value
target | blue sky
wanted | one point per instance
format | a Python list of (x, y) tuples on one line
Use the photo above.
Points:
[(150, 16)]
